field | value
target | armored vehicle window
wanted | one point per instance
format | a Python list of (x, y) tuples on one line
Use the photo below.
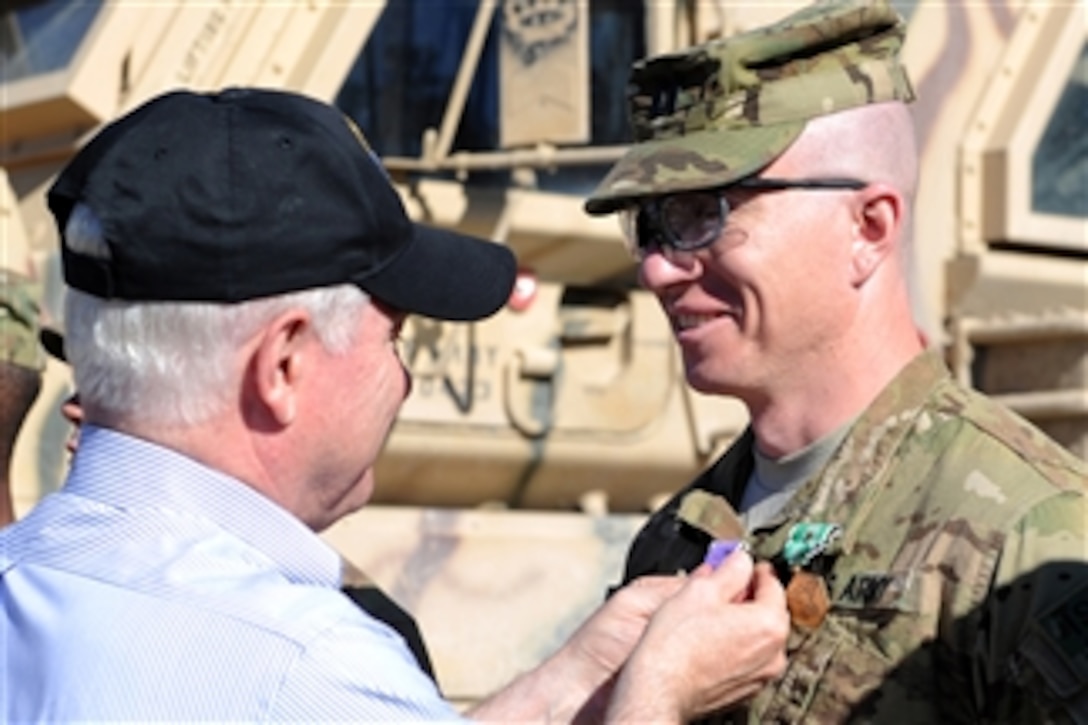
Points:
[(616, 39), (40, 37), (401, 82), (1060, 161), (1028, 133)]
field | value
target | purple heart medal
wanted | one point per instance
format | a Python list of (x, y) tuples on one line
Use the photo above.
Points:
[(720, 549)]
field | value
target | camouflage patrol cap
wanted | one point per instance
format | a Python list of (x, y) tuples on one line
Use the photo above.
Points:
[(19, 321), (718, 112)]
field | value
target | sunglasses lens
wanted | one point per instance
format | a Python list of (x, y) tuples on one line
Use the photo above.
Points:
[(694, 220), (641, 231), (649, 233), (683, 222)]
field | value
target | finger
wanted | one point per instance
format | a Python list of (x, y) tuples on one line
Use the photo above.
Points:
[(766, 588), (737, 566), (703, 570), (733, 575), (649, 592)]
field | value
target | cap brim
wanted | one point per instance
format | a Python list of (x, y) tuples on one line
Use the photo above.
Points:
[(446, 275), (53, 342), (701, 160)]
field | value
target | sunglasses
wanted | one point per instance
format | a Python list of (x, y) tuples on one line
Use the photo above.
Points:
[(692, 220)]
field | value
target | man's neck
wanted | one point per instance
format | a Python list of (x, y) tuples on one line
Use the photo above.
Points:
[(803, 411)]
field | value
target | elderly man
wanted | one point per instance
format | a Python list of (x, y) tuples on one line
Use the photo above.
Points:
[(239, 270), (933, 543), (21, 363), (355, 583)]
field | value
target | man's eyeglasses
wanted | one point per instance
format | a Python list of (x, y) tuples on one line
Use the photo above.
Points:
[(692, 220)]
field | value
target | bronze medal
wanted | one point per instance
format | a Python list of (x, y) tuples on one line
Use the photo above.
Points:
[(807, 599)]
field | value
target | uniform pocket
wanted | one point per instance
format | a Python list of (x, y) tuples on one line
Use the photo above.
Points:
[(851, 669)]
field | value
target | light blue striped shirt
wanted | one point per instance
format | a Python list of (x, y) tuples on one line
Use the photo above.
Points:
[(154, 588)]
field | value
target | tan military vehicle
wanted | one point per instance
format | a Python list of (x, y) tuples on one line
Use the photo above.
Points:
[(534, 443)]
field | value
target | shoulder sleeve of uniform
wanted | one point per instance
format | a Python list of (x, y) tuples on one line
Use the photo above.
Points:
[(1038, 616)]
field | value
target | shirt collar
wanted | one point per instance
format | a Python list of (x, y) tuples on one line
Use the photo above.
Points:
[(127, 472)]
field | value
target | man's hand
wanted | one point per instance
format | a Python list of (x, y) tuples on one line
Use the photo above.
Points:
[(575, 683), (662, 649), (607, 638), (605, 641), (716, 641)]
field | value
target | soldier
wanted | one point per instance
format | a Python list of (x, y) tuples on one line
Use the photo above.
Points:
[(21, 364), (234, 300), (933, 543)]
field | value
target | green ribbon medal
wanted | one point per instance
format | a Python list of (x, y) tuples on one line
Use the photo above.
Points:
[(806, 541)]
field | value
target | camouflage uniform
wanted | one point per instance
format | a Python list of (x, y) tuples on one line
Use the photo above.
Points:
[(19, 322), (959, 586), (957, 589), (21, 362)]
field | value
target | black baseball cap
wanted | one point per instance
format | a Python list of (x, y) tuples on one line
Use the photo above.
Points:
[(249, 192)]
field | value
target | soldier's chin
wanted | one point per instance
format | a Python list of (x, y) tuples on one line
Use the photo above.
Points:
[(707, 384), (702, 384)]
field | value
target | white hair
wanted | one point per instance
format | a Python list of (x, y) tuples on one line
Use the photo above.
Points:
[(174, 363)]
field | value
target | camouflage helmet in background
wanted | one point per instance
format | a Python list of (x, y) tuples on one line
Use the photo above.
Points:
[(715, 113), (19, 321)]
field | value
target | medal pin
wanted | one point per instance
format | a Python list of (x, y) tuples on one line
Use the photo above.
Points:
[(807, 596)]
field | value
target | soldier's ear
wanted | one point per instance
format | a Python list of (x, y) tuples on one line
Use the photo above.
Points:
[(878, 221)]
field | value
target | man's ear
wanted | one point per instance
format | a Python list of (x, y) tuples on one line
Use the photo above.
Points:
[(877, 229), (278, 364)]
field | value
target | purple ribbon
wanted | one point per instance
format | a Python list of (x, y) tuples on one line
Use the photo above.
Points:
[(719, 549)]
